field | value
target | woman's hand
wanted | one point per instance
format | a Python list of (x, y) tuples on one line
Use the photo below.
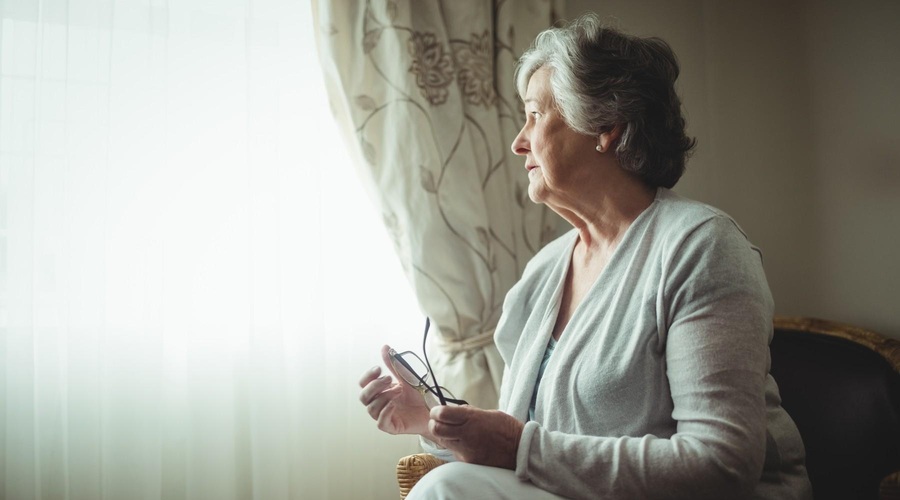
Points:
[(397, 406), (484, 437)]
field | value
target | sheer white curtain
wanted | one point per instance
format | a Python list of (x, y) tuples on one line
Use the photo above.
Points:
[(191, 278)]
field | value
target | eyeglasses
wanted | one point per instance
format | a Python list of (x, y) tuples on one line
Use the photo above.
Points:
[(415, 372)]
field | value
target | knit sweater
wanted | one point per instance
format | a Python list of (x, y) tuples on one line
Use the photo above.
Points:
[(659, 385)]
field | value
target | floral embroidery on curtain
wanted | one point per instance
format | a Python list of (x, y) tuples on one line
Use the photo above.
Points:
[(424, 93)]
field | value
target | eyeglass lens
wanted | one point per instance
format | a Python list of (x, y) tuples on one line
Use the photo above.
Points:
[(411, 368)]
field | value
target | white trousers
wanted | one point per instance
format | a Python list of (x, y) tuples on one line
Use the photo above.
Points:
[(462, 481)]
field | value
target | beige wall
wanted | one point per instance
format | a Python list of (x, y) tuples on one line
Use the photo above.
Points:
[(796, 107)]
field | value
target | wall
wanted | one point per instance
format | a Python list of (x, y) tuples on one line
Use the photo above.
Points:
[(796, 109)]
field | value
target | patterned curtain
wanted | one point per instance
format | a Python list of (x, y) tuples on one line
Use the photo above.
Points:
[(424, 93)]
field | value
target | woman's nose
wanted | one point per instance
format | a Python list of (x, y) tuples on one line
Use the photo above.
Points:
[(520, 145)]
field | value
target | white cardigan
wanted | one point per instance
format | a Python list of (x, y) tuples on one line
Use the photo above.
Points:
[(659, 385)]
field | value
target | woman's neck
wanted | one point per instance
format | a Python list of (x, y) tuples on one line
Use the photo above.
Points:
[(603, 218)]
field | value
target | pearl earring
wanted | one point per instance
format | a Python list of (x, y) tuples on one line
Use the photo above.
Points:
[(599, 148)]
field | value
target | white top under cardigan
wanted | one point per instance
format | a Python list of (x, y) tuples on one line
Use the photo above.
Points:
[(659, 385)]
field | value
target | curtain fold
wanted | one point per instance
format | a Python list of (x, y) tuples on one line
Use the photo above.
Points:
[(423, 92)]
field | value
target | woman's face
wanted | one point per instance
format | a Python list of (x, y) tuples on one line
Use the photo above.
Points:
[(559, 159)]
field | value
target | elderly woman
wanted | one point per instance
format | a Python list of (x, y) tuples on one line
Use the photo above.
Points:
[(635, 345)]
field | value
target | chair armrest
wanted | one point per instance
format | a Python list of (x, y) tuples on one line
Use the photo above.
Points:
[(411, 468), (890, 487)]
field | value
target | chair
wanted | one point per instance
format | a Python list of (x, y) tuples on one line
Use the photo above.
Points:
[(411, 468), (841, 385)]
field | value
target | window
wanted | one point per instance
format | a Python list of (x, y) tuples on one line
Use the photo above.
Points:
[(180, 230)]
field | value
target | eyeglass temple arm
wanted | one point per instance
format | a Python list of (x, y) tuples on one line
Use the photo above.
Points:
[(437, 386)]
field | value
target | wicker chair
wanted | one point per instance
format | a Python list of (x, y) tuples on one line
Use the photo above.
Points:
[(411, 468), (841, 385)]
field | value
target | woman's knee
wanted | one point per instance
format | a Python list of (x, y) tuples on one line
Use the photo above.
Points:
[(454, 480), (458, 480)]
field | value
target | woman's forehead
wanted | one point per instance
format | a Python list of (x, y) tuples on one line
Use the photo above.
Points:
[(538, 90)]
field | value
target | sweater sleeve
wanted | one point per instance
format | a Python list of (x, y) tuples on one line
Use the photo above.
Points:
[(715, 319)]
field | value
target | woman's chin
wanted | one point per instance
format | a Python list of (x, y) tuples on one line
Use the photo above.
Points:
[(536, 192)]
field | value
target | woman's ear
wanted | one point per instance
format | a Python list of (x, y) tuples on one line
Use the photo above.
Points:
[(609, 137)]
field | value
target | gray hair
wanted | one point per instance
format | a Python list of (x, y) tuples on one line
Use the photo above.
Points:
[(600, 78)]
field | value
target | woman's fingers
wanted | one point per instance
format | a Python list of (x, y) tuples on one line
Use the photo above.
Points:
[(451, 415), (382, 396), (374, 372), (396, 406), (486, 437), (448, 422), (374, 388), (369, 375), (375, 407), (386, 358)]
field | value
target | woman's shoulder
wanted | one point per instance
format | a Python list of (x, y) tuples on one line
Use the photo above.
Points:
[(695, 235), (683, 215)]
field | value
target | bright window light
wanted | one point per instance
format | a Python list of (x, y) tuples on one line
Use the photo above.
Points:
[(192, 278)]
